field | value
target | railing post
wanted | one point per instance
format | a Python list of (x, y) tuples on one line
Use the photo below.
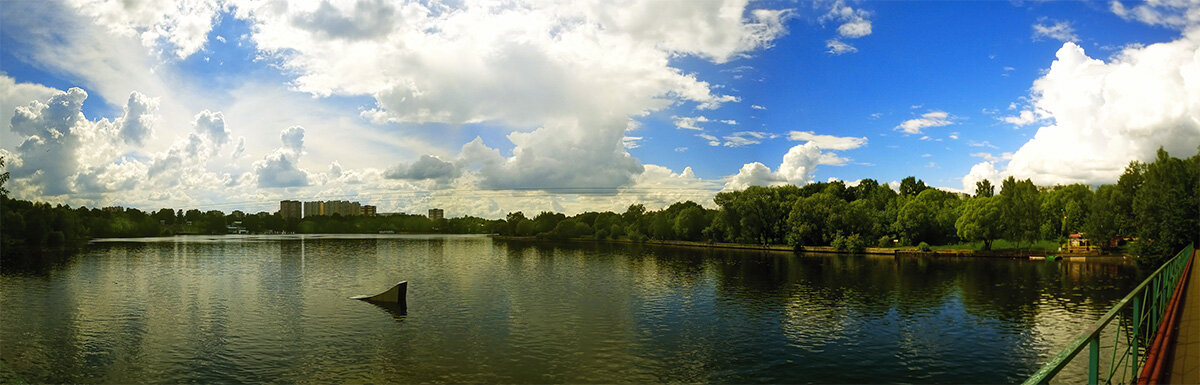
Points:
[(1134, 342), (1094, 361)]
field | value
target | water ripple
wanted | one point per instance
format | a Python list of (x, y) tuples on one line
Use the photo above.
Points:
[(275, 309)]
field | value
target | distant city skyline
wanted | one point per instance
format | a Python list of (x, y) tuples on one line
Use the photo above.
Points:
[(486, 108)]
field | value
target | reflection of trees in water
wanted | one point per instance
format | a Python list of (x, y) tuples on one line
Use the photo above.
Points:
[(1006, 289), (437, 247), (516, 250), (573, 301), (1018, 290), (664, 267), (684, 266), (281, 289), (832, 305), (750, 275), (868, 285), (921, 283)]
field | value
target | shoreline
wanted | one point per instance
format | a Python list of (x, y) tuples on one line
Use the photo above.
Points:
[(898, 252)]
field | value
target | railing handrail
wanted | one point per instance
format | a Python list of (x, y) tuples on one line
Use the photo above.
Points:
[(1060, 360)]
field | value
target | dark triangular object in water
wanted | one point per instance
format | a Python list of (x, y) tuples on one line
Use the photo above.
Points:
[(397, 295)]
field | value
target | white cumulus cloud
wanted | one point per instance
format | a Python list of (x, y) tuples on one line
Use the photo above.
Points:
[(180, 27), (1178, 14), (1061, 31), (980, 172), (797, 167), (928, 119), (1105, 114), (754, 174), (428, 167), (576, 71), (689, 123), (138, 123), (854, 21), (280, 168), (856, 28), (829, 142), (746, 138), (838, 47), (211, 126), (1024, 118), (51, 132), (59, 151)]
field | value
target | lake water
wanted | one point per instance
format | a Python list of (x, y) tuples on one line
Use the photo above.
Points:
[(276, 309)]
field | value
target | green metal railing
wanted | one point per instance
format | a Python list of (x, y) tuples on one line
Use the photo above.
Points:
[(1137, 316)]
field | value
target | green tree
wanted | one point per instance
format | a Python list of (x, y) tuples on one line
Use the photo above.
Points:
[(633, 213), (911, 186), (860, 218), (1102, 224), (660, 227), (165, 216), (1064, 210), (525, 228), (760, 213), (980, 220), (928, 217), (1122, 203), (606, 220), (546, 221), (1019, 202), (865, 189), (1165, 206), (815, 220), (616, 230), (984, 189), (570, 228), (690, 223), (512, 219)]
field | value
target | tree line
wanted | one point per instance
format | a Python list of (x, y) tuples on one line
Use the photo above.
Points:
[(1156, 204), (38, 225)]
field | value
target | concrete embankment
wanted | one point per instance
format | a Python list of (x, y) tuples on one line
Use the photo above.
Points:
[(900, 252)]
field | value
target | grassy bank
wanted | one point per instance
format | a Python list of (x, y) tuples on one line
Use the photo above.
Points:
[(1048, 246)]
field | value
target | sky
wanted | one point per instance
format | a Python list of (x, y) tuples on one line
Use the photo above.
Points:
[(489, 107)]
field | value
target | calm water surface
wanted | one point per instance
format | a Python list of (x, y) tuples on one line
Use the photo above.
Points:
[(275, 309)]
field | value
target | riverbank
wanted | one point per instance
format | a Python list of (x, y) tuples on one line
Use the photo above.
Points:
[(895, 251)]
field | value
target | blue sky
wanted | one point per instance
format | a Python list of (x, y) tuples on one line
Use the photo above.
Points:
[(485, 108)]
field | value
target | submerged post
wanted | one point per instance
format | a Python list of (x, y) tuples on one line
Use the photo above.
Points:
[(397, 294)]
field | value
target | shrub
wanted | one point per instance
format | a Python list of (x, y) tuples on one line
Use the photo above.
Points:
[(839, 243), (853, 243), (884, 241), (924, 247), (616, 231), (856, 243)]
